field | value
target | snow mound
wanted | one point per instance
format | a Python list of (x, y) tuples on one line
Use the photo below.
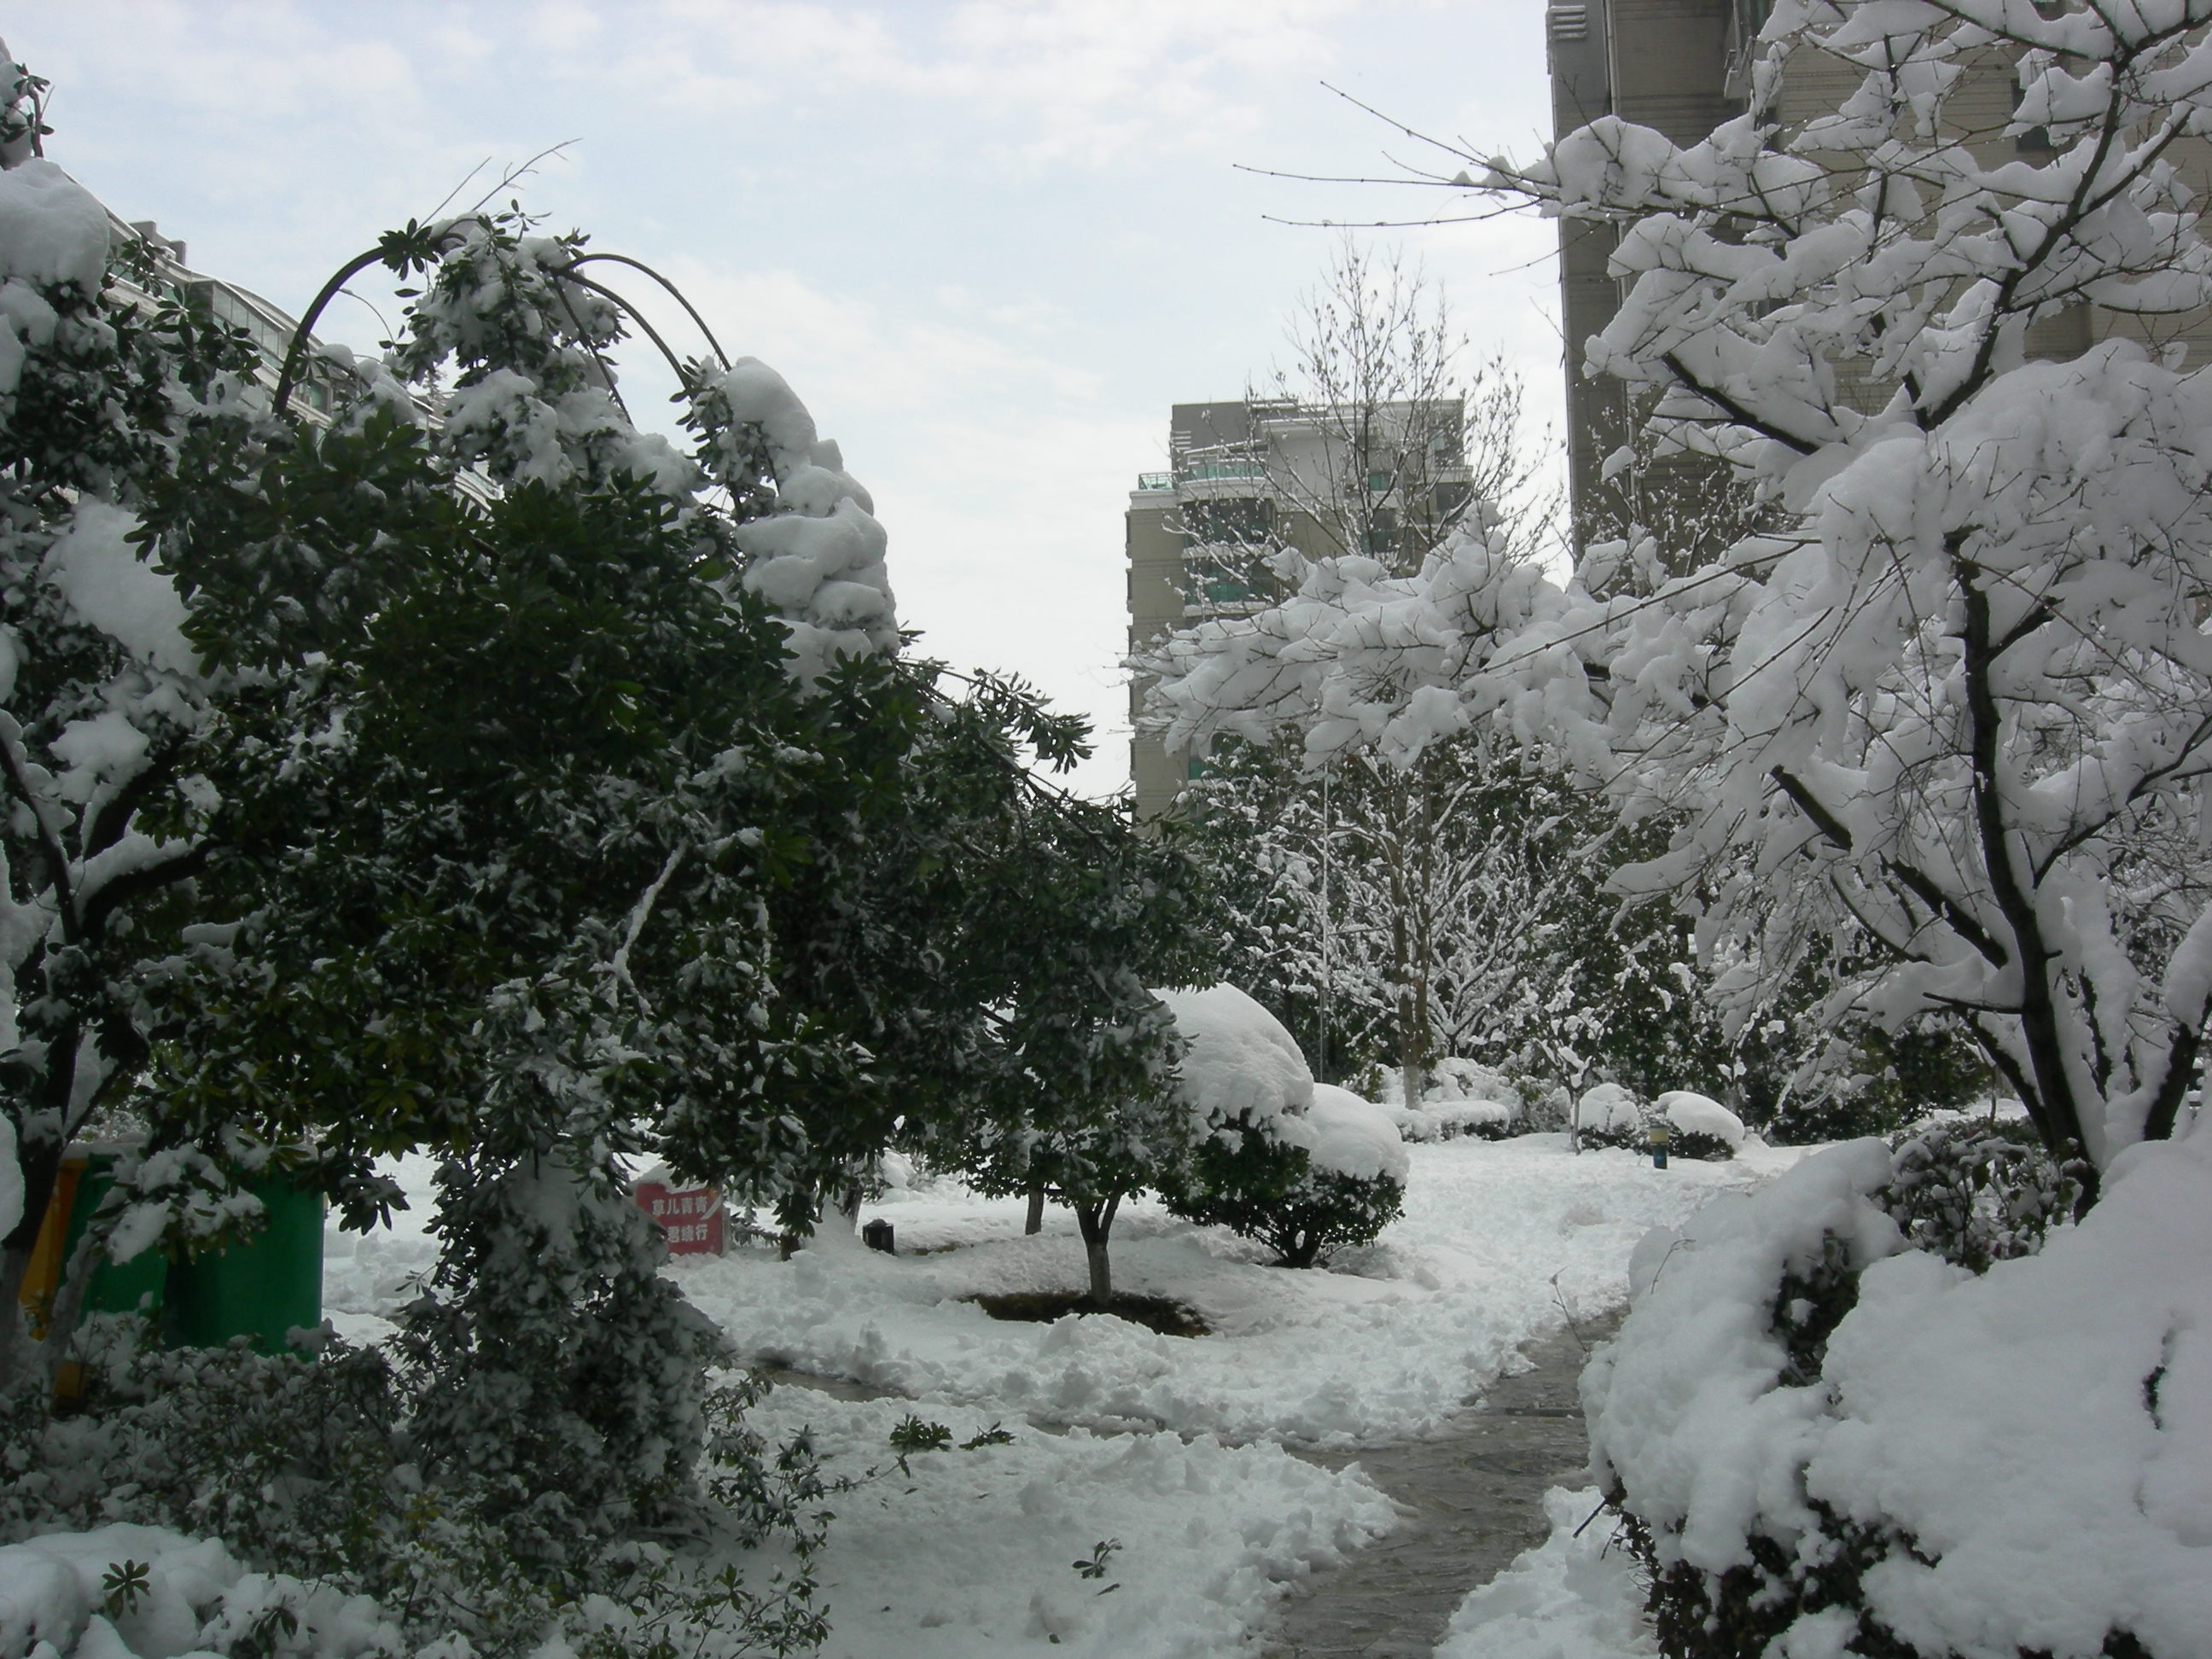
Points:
[(1354, 1137), (1608, 1108), (1572, 1597), (1242, 1064), (2029, 1449), (1697, 1114)]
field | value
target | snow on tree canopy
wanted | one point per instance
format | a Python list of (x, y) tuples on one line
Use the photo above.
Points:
[(1355, 1137), (1697, 1114), (818, 558), (1608, 1108), (51, 231), (1242, 1064), (2041, 1433), (116, 591)]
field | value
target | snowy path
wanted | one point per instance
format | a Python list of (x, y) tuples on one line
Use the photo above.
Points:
[(1180, 1450), (1475, 1494)]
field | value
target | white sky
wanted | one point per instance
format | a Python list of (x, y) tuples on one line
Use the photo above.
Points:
[(988, 243)]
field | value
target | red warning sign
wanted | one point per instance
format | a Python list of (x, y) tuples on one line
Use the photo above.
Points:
[(691, 1217)]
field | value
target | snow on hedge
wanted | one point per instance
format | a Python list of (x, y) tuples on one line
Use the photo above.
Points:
[(1354, 1137), (1242, 1064), (2032, 1446), (1447, 1119), (1699, 1115)]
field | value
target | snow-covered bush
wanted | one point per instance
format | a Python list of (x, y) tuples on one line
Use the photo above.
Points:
[(1339, 1185), (1448, 1120), (275, 1511), (1698, 1127), (1610, 1115), (1857, 1412), (1304, 1167)]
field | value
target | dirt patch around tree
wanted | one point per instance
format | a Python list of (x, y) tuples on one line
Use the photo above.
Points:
[(1155, 1312)]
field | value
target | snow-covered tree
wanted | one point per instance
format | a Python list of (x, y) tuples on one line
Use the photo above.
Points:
[(1961, 699), (101, 690), (1374, 451), (1075, 1088)]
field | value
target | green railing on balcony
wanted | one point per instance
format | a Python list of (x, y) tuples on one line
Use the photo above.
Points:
[(1198, 471), (1148, 481)]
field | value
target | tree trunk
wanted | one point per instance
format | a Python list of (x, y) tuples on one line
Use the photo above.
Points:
[(1035, 1222), (1095, 1221)]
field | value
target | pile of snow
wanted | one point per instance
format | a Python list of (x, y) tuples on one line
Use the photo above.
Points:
[(970, 1553), (1242, 1065), (1697, 1115), (1354, 1137), (2036, 1442), (54, 1602), (1445, 1120), (1608, 1108), (1574, 1596)]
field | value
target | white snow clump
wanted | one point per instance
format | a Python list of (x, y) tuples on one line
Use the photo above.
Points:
[(108, 585), (1355, 1137), (818, 559), (51, 231), (2033, 1444), (1242, 1064), (1608, 1108)]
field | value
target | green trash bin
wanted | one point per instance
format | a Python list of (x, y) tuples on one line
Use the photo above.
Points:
[(260, 1288)]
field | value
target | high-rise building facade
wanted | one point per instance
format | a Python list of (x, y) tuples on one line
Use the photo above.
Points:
[(1249, 478)]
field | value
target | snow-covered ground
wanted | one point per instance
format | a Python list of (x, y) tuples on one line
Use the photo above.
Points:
[(1172, 1446)]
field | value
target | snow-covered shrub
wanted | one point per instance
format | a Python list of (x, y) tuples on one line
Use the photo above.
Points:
[(276, 1502), (1698, 1127), (1338, 1184), (1610, 1115), (1826, 1440), (1974, 1196), (1304, 1167)]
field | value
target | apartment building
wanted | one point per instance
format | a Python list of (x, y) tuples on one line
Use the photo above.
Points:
[(1249, 478)]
